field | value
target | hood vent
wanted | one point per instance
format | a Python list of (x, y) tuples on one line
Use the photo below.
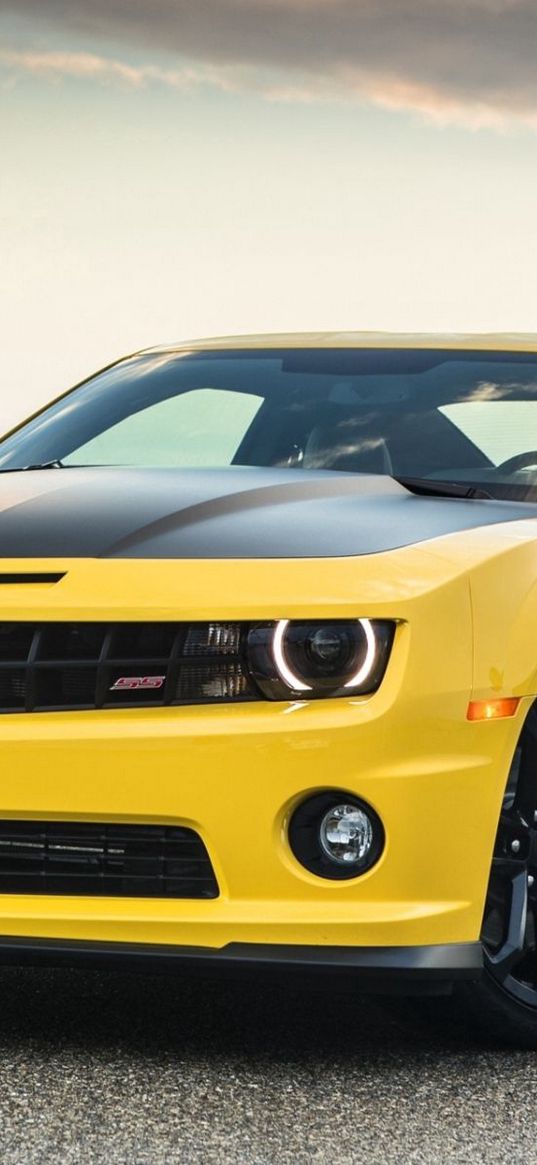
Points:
[(17, 580)]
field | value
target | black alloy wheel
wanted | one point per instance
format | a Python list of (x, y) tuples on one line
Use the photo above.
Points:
[(509, 928), (506, 996)]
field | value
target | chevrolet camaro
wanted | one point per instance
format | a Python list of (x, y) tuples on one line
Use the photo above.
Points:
[(268, 665)]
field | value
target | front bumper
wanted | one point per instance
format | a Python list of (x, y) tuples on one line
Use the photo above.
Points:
[(235, 774)]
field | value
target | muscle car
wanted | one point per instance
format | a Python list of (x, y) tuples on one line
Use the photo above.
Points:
[(268, 665)]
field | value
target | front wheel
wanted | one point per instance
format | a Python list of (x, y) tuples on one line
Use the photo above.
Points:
[(505, 999)]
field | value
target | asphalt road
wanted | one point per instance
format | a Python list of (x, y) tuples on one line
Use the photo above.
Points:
[(148, 1070)]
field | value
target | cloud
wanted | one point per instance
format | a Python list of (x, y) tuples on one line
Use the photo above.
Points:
[(91, 66), (471, 61)]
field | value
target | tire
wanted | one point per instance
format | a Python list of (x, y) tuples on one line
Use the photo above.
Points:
[(504, 1001), (494, 1014)]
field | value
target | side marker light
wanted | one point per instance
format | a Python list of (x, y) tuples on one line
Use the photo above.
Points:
[(493, 709)]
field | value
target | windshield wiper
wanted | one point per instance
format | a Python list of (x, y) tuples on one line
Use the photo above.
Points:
[(56, 464), (442, 489)]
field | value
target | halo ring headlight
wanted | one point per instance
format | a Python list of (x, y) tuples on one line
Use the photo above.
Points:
[(296, 683), (308, 659)]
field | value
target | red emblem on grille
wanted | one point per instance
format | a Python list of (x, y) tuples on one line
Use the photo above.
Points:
[(138, 683)]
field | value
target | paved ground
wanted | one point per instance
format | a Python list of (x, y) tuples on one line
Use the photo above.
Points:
[(148, 1070)]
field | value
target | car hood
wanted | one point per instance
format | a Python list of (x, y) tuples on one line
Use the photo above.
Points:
[(224, 513)]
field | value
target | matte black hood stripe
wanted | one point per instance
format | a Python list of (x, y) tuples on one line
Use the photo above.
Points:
[(235, 513)]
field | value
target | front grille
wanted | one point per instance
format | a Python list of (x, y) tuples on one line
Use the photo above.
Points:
[(63, 666), (134, 861)]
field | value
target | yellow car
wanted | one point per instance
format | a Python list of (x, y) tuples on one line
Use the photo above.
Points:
[(268, 664)]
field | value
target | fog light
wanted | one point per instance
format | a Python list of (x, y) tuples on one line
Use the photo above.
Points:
[(346, 835), (336, 835)]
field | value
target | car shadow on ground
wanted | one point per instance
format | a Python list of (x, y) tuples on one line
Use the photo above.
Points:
[(276, 1019)]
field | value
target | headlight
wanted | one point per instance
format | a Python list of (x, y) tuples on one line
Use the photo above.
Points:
[(337, 657)]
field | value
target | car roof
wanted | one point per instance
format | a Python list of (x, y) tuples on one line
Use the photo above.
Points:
[(465, 341)]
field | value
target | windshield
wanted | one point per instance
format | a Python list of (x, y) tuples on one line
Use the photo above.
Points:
[(452, 416)]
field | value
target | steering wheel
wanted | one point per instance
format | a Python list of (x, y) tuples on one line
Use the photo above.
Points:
[(520, 461)]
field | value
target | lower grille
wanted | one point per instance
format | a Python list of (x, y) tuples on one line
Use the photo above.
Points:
[(124, 861), (52, 667)]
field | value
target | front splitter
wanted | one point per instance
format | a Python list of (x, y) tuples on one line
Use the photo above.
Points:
[(375, 968)]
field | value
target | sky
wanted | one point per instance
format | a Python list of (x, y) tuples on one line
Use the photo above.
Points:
[(180, 168)]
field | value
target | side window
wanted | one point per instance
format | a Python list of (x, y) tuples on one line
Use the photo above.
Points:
[(501, 429), (203, 427)]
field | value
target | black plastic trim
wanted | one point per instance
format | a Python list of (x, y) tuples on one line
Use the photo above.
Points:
[(96, 859), (378, 965)]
